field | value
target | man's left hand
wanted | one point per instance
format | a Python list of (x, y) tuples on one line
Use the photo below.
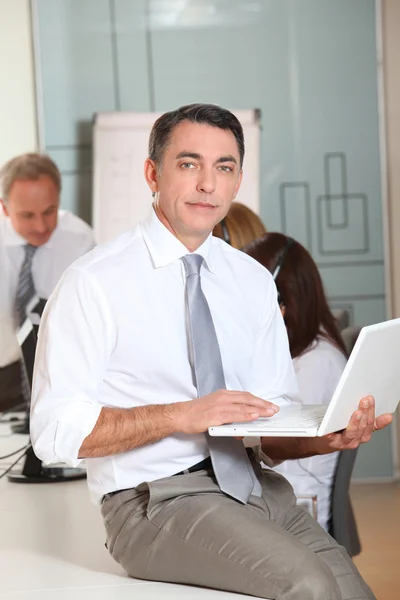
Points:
[(359, 430)]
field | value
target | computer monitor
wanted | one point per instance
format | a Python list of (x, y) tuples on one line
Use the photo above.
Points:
[(33, 471)]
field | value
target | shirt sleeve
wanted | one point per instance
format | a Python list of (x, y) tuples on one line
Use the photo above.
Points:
[(273, 373), (76, 338)]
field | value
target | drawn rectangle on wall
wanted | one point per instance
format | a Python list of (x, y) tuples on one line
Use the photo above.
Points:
[(338, 214), (296, 211), (336, 190), (353, 239)]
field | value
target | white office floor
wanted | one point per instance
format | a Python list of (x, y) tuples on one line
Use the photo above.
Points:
[(52, 546)]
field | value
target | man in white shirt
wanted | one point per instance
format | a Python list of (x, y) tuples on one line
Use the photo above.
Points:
[(117, 381), (30, 221)]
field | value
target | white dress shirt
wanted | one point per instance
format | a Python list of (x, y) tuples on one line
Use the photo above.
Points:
[(70, 240), (114, 334), (318, 371)]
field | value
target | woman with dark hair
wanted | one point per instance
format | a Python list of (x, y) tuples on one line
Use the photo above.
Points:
[(318, 352)]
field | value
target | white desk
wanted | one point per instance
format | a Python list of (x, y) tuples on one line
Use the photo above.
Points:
[(52, 546)]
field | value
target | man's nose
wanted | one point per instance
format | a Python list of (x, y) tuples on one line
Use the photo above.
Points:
[(40, 225), (206, 181)]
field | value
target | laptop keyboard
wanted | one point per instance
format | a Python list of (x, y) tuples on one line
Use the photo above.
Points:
[(307, 416)]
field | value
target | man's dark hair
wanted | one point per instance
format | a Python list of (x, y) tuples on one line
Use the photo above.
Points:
[(209, 114)]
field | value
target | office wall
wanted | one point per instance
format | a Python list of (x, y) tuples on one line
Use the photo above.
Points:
[(391, 72), (18, 128), (310, 67)]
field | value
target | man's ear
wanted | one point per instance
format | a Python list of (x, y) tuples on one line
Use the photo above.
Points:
[(4, 207), (151, 175)]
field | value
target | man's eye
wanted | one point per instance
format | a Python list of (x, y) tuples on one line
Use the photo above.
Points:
[(187, 165), (226, 169)]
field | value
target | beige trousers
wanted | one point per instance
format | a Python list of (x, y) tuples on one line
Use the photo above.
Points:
[(182, 529)]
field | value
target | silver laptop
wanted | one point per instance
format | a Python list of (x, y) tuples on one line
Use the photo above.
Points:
[(373, 369)]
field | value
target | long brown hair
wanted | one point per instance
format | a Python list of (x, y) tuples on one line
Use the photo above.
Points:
[(307, 314), (240, 226)]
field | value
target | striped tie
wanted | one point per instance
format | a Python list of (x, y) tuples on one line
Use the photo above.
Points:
[(25, 288)]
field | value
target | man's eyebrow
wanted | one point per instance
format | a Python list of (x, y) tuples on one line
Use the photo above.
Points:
[(186, 154), (228, 158), (196, 156)]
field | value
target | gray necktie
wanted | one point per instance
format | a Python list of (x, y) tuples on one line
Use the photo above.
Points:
[(25, 286), (231, 464)]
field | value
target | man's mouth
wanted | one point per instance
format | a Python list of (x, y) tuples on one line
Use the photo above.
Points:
[(202, 204)]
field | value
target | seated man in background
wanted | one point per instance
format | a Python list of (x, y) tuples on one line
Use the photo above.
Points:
[(38, 242), (152, 338)]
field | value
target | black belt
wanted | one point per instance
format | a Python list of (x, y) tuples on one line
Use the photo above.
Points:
[(204, 464)]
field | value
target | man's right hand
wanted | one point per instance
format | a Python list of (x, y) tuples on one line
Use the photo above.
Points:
[(218, 408)]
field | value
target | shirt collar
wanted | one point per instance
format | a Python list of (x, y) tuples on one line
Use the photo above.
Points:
[(165, 248)]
